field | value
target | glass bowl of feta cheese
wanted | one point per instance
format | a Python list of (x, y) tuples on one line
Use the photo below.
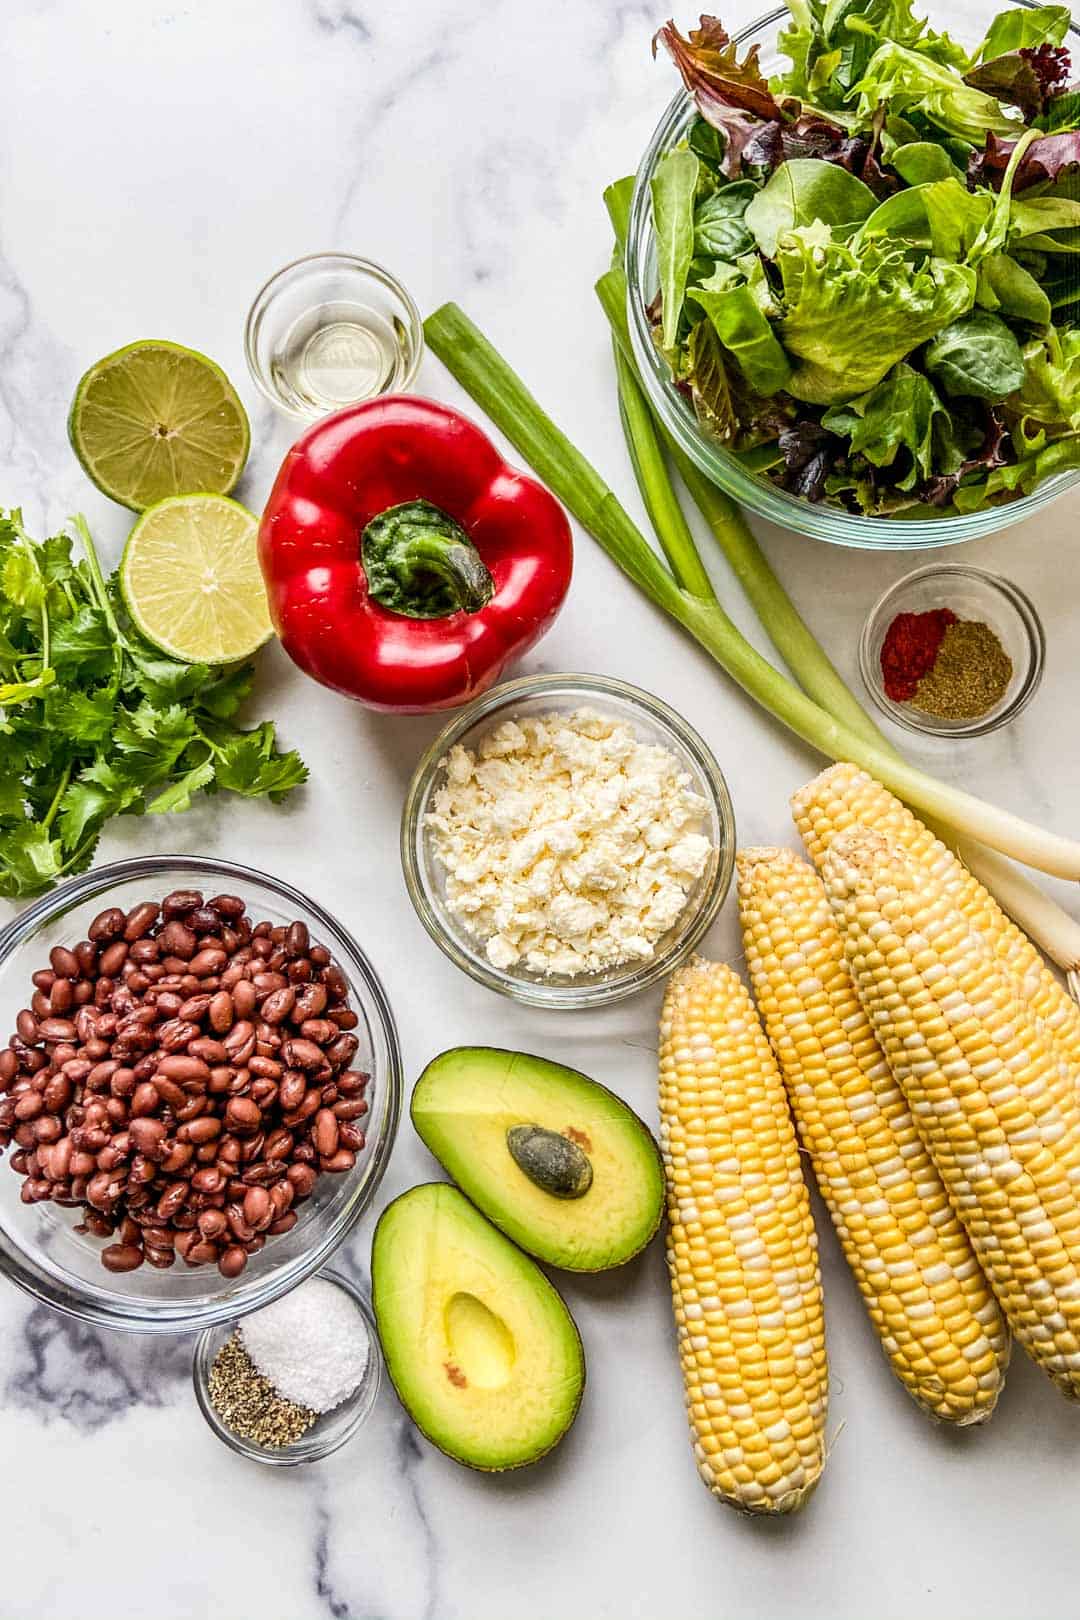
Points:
[(567, 840)]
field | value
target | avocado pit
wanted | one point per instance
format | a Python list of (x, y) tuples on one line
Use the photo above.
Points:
[(553, 1162)]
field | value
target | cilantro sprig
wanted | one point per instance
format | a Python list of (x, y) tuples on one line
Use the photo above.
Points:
[(95, 722)]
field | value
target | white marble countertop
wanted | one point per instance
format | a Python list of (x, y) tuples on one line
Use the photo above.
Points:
[(157, 162)]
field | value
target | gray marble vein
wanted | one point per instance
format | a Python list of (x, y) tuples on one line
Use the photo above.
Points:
[(62, 1369)]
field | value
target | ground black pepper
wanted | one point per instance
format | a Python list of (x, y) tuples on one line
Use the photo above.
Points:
[(249, 1405), (969, 676)]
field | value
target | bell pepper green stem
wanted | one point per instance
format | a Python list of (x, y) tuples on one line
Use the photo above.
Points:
[(420, 563), (487, 378)]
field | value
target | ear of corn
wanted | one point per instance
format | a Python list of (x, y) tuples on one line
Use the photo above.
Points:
[(990, 1095), (742, 1250), (939, 1323), (844, 796)]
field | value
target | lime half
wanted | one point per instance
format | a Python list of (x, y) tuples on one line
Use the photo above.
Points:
[(190, 578), (156, 419)]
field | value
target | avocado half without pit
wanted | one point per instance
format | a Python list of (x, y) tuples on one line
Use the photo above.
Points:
[(484, 1355), (558, 1162)]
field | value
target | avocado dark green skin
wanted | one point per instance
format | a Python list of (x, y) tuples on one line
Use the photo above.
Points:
[(479, 1468), (582, 1270)]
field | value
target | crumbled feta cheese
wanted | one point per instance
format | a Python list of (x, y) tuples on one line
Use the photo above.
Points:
[(568, 844)]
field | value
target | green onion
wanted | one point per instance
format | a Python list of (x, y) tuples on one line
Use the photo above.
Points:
[(499, 391), (788, 631)]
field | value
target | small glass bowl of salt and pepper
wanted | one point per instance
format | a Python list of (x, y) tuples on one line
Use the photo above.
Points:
[(261, 1418), (952, 651)]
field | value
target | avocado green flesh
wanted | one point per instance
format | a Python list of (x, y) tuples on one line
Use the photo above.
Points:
[(483, 1353), (462, 1107)]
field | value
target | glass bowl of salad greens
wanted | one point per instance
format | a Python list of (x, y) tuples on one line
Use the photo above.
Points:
[(854, 290)]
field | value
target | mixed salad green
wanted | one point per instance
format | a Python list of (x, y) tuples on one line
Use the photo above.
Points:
[(866, 264)]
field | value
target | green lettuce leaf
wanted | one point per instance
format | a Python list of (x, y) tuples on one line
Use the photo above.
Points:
[(907, 79), (705, 374), (673, 187), (1062, 113), (976, 358), (1020, 477), (919, 162), (802, 191), (1023, 27), (902, 414), (900, 217), (831, 42), (744, 330), (1006, 285), (851, 312), (719, 228), (1050, 392)]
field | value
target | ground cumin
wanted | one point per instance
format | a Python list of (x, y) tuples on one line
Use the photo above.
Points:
[(969, 676)]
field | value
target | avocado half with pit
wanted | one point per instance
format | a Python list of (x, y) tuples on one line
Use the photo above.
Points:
[(557, 1161), (484, 1355)]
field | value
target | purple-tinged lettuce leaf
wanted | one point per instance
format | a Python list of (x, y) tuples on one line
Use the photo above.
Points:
[(810, 454), (1012, 79), (1047, 158), (940, 490), (1052, 65), (712, 72)]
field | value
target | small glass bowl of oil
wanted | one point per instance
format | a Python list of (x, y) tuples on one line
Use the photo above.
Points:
[(331, 330)]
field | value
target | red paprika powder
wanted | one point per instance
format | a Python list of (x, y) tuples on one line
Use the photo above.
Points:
[(911, 645)]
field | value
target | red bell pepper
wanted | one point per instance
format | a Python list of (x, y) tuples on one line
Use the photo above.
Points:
[(405, 561)]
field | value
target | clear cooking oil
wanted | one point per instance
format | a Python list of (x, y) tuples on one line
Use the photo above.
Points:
[(338, 354)]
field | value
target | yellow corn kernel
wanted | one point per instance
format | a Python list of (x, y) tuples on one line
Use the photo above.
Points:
[(745, 1286), (985, 1085), (845, 796), (913, 1261)]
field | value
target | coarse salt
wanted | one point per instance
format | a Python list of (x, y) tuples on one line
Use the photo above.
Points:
[(313, 1344)]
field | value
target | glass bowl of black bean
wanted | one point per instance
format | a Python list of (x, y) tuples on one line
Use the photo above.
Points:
[(198, 1097)]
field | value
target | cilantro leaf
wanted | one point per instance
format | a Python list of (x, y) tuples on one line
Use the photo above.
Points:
[(82, 716), (30, 860), (224, 693), (100, 791), (20, 580), (177, 796), (151, 739), (19, 691), (248, 765), (83, 646), (162, 679)]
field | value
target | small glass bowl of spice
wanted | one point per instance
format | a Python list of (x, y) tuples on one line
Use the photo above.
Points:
[(292, 1382), (952, 651)]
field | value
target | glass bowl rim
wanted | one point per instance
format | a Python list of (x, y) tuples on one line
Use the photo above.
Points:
[(272, 286), (574, 994), (98, 1304), (365, 1394), (1031, 624), (816, 521)]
